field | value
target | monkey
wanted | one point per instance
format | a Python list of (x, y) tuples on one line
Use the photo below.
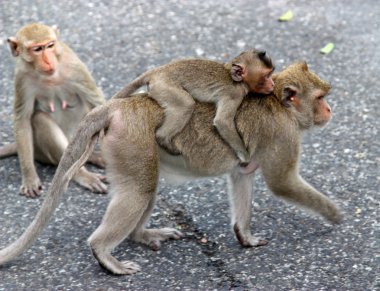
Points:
[(175, 86), (271, 127), (53, 91)]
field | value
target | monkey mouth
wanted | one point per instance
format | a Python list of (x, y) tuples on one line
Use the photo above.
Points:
[(267, 92), (48, 72)]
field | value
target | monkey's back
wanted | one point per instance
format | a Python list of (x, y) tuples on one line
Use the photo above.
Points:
[(199, 77)]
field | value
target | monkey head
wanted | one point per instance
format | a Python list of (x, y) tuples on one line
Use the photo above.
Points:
[(255, 69), (37, 45), (304, 93)]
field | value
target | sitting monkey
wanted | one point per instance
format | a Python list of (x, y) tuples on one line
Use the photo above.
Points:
[(53, 91)]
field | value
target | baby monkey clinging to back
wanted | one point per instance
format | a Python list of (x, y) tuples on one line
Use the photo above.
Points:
[(175, 86)]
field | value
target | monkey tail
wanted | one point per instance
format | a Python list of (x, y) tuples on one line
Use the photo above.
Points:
[(133, 86), (8, 150), (76, 154)]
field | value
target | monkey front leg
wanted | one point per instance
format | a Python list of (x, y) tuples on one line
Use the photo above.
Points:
[(224, 121), (240, 192), (31, 183)]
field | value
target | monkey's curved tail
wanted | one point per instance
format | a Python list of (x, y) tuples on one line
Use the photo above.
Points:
[(133, 86), (76, 154)]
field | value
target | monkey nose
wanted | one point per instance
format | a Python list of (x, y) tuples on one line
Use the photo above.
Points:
[(49, 71)]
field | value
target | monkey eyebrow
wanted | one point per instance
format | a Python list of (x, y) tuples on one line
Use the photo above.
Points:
[(50, 44), (41, 46)]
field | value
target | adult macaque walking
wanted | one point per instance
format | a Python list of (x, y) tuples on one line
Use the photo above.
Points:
[(271, 128), (53, 91), (175, 86)]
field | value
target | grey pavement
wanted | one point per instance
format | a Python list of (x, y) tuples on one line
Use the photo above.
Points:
[(118, 40)]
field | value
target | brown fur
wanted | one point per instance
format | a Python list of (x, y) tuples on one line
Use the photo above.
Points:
[(271, 128), (53, 91), (175, 86)]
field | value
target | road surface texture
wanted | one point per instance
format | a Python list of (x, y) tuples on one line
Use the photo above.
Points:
[(118, 40)]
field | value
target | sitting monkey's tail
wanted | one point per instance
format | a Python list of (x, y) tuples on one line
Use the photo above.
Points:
[(76, 154)]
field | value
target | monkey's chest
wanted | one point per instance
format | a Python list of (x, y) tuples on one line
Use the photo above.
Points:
[(57, 102)]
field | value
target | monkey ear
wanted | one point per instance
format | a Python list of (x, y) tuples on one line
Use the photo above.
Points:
[(13, 45), (56, 30), (289, 95), (261, 54), (237, 72), (304, 66), (58, 47)]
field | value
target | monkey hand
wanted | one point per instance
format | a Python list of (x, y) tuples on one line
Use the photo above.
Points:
[(31, 186), (243, 157), (167, 144)]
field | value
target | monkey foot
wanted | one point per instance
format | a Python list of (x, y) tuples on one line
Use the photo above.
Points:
[(154, 237), (130, 267), (92, 181), (108, 262), (248, 240), (123, 268), (334, 215)]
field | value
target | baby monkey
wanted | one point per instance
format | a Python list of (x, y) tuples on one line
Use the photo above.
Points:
[(175, 86)]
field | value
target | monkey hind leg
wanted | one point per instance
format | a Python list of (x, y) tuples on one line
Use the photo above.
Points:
[(133, 185), (178, 105), (123, 214), (8, 150), (152, 237)]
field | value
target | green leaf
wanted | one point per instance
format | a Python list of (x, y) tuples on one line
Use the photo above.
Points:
[(327, 48), (287, 16)]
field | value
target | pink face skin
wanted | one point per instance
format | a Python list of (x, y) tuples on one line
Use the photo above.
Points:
[(44, 57), (259, 80), (264, 83)]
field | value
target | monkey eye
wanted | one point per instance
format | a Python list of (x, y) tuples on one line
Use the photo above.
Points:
[(269, 74), (37, 48), (320, 97), (50, 45)]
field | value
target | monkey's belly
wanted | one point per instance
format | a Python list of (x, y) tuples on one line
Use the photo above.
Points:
[(175, 169)]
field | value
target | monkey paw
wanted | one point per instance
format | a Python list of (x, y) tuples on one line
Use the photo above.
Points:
[(31, 187), (244, 158), (335, 216), (111, 264), (168, 145), (129, 268), (92, 181), (154, 237), (247, 239)]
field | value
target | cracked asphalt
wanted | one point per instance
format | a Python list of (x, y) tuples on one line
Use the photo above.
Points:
[(119, 40)]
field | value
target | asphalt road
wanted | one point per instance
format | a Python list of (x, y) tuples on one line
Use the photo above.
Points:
[(118, 40)]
